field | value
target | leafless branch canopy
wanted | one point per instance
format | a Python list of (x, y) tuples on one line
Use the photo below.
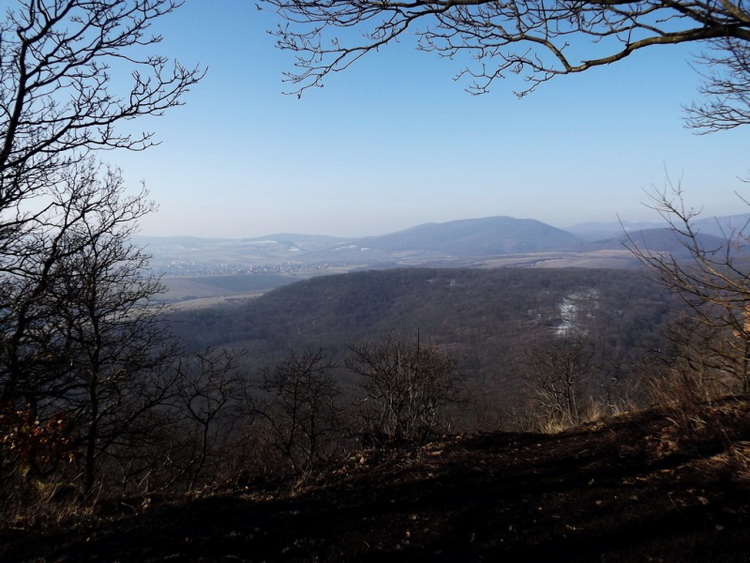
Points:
[(540, 39), (77, 334), (405, 385), (64, 72), (712, 279)]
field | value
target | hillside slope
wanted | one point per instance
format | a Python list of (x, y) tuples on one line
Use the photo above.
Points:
[(631, 489), (487, 319)]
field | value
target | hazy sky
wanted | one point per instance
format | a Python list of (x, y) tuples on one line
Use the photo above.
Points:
[(395, 141)]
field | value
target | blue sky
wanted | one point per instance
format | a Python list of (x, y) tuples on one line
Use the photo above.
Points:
[(394, 141)]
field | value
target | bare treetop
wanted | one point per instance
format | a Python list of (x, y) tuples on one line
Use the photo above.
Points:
[(59, 63), (539, 39)]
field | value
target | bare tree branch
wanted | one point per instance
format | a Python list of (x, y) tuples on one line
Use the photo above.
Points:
[(539, 39), (57, 100), (712, 280)]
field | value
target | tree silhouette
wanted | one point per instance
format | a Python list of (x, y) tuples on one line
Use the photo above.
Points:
[(405, 385), (79, 333), (539, 39)]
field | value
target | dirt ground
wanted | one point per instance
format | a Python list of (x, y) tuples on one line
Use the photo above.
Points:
[(632, 489)]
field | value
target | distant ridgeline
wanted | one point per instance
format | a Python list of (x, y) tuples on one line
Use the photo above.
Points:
[(486, 318), (463, 243)]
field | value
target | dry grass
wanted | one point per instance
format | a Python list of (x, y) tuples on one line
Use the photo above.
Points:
[(628, 489)]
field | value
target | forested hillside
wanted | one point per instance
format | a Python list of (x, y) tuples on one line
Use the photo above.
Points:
[(489, 320)]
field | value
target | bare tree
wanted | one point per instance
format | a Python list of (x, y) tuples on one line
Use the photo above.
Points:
[(713, 281), (209, 391), (78, 333), (58, 59), (84, 336), (57, 103), (540, 39), (726, 87), (559, 377), (301, 407), (405, 386)]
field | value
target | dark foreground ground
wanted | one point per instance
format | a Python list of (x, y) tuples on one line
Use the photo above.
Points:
[(627, 490)]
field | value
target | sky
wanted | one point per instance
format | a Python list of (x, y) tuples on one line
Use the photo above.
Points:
[(395, 141)]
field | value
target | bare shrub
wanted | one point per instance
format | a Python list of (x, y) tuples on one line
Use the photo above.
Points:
[(405, 386), (300, 407), (559, 377)]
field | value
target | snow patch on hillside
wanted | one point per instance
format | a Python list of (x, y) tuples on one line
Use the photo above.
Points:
[(573, 309)]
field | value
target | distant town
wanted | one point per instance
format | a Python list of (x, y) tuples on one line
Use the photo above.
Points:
[(197, 268)]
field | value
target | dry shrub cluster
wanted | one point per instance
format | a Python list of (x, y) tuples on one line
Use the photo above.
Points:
[(219, 426)]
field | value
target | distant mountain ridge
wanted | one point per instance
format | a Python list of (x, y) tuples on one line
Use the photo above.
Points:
[(660, 240), (489, 236), (458, 240), (716, 226), (472, 237)]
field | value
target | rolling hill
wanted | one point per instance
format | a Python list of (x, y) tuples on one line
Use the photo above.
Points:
[(478, 237), (470, 237), (468, 242), (659, 240), (488, 319)]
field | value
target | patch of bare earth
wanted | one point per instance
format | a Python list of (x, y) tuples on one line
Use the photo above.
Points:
[(631, 489)]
